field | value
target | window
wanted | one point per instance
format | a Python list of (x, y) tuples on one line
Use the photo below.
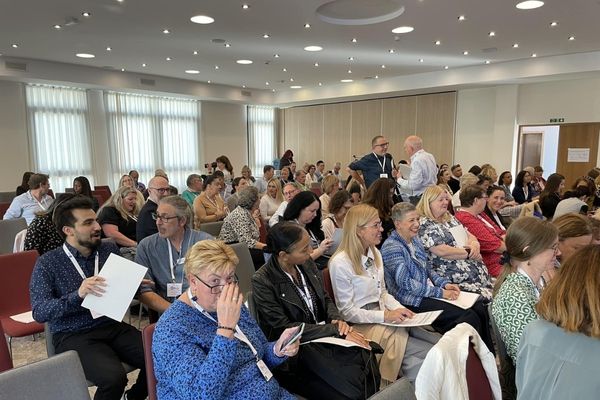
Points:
[(148, 132), (261, 137), (59, 134)]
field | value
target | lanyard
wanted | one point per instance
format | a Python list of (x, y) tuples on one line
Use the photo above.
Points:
[(238, 332), (304, 293), (173, 265), (76, 264), (382, 165)]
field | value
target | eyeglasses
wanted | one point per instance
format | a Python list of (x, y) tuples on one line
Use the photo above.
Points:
[(554, 248), (162, 218), (382, 144), (289, 193), (216, 289), (375, 225), (271, 186), (161, 190)]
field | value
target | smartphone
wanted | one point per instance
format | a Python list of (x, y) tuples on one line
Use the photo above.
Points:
[(295, 336)]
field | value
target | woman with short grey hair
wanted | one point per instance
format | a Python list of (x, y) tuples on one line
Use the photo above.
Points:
[(242, 225)]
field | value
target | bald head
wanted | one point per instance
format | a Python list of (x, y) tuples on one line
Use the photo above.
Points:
[(412, 144), (158, 187)]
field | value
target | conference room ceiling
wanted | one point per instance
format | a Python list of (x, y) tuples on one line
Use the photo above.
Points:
[(132, 35)]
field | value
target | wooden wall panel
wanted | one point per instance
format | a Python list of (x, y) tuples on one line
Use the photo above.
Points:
[(398, 122), (291, 130), (366, 123), (310, 135), (436, 115), (576, 136), (337, 134)]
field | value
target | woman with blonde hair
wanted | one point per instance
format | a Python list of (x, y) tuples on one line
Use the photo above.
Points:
[(271, 200), (247, 175), (459, 263), (127, 181), (357, 277), (208, 343), (330, 185), (558, 355), (118, 216)]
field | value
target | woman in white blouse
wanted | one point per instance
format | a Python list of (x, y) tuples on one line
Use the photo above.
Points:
[(271, 200), (357, 277)]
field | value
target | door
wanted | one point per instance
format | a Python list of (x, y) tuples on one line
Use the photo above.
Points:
[(577, 136), (530, 150)]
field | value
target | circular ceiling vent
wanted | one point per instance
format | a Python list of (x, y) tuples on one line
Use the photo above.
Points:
[(359, 12)]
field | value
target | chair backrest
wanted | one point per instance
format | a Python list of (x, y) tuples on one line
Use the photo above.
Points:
[(8, 231), (3, 207), (150, 377), (502, 353), (213, 228), (15, 274), (252, 305), (57, 378), (7, 197), (101, 195), (507, 368), (50, 350), (20, 241), (327, 283), (104, 188), (245, 268), (477, 380), (5, 359)]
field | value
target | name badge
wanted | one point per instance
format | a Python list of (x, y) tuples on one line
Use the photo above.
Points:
[(383, 175), (174, 289), (264, 370)]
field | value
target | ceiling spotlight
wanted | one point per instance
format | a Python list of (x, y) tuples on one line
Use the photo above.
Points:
[(446, 67), (313, 48), (195, 52), (227, 45), (492, 34), (267, 83), (295, 87), (376, 76), (516, 46), (465, 53), (14, 46), (273, 90), (192, 71), (57, 26), (346, 80), (382, 66), (216, 67), (403, 29), (166, 31), (307, 25), (120, 1), (144, 65), (291, 79), (86, 14), (244, 62), (284, 69), (571, 38), (438, 42), (349, 71), (122, 69), (354, 40), (316, 64), (391, 51), (275, 55), (320, 84), (85, 55), (266, 36), (421, 60), (461, 18), (350, 58), (245, 6), (243, 86), (553, 24), (529, 4), (487, 61), (109, 48), (202, 19), (534, 55), (208, 82), (168, 58)]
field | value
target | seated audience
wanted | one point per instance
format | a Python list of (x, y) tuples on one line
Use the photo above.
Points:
[(504, 181), (61, 280), (558, 354), (290, 190), (164, 253), (538, 182), (288, 291), (209, 205), (490, 237), (466, 180), (360, 293), (484, 181), (443, 177), (310, 175), (127, 181), (300, 179), (531, 247), (356, 191), (593, 200), (224, 165), (573, 201), (338, 208), (206, 345), (42, 234), (413, 283), (81, 185), (454, 181), (194, 188), (242, 225), (24, 186), (268, 174), (523, 191), (271, 200), (461, 265), (574, 232), (550, 195), (247, 175), (329, 185), (490, 172), (237, 185), (138, 185), (285, 176), (495, 202), (305, 210), (118, 216), (286, 159), (475, 170), (29, 203), (158, 187), (380, 196)]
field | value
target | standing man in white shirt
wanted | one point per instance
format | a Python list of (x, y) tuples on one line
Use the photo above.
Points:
[(423, 169), (29, 203)]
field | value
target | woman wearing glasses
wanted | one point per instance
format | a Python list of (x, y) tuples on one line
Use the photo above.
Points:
[(357, 277), (206, 345), (209, 206)]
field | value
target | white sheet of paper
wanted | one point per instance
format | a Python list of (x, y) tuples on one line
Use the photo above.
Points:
[(405, 170), (419, 319), (465, 300), (123, 277), (333, 340), (459, 233), (337, 239), (25, 318)]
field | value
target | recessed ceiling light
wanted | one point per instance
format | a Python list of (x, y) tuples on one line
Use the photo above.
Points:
[(275, 55), (529, 4), (391, 51), (487, 61), (421, 60), (307, 25), (208, 82), (14, 46), (438, 42), (376, 76), (166, 31), (350, 58), (202, 19), (553, 23), (571, 38), (291, 79), (266, 36), (516, 45), (295, 87), (57, 26), (216, 67), (273, 90), (446, 67), (245, 6), (244, 62), (144, 65), (492, 34), (313, 48), (284, 69), (382, 66), (122, 69), (534, 55), (346, 80), (267, 83), (86, 14), (192, 71), (227, 45), (244, 86), (195, 52), (316, 64), (349, 71), (109, 48), (403, 29), (320, 84), (461, 17), (354, 40), (120, 1), (465, 53), (85, 55)]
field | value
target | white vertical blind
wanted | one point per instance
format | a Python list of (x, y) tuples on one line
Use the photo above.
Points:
[(58, 129), (262, 145), (148, 132)]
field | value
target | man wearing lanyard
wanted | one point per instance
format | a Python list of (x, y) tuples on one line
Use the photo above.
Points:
[(164, 253), (423, 169), (375, 165), (61, 279), (29, 203)]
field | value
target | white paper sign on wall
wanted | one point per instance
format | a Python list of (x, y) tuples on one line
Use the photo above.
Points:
[(578, 155)]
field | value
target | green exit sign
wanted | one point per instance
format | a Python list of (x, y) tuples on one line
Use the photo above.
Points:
[(556, 120)]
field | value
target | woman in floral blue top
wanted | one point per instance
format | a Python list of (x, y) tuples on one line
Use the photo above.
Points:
[(460, 265)]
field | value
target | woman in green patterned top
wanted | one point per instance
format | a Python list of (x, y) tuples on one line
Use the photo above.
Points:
[(531, 249)]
